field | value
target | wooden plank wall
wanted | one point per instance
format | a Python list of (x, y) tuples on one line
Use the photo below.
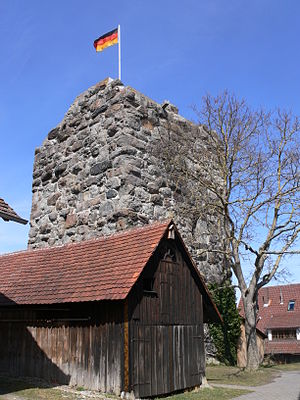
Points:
[(82, 353), (166, 359), (167, 339)]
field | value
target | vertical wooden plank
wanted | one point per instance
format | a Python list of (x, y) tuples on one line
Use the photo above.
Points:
[(160, 364), (176, 358), (78, 354), (188, 296), (101, 333), (60, 345), (170, 359), (186, 353), (201, 332), (181, 371), (119, 355), (105, 351), (165, 364), (108, 359), (44, 359), (133, 356), (73, 353), (141, 357), (65, 350), (96, 358), (126, 346), (185, 294), (195, 346), (90, 359), (23, 349), (154, 365), (32, 351), (86, 353), (182, 294), (175, 301), (148, 361), (112, 363)]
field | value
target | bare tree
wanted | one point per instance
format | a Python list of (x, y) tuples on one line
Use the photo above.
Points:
[(257, 193)]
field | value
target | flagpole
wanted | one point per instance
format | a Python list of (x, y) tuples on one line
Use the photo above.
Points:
[(119, 42)]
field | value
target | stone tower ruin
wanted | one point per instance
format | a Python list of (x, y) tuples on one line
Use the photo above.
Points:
[(95, 174)]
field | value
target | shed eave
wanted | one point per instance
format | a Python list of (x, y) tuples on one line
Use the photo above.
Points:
[(6, 217)]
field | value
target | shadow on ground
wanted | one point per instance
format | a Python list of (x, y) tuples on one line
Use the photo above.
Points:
[(12, 385)]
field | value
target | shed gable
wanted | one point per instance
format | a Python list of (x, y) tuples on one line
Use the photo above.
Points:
[(166, 325), (171, 281)]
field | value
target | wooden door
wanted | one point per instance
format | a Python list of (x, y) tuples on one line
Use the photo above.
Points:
[(166, 334), (165, 358)]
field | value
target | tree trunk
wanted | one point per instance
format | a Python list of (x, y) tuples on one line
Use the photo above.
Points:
[(253, 359)]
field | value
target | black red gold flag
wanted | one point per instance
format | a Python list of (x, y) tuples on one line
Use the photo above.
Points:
[(106, 40)]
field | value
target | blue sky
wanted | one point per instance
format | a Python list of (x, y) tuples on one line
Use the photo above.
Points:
[(175, 50)]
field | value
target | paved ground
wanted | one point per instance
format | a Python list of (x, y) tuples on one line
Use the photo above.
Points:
[(285, 387)]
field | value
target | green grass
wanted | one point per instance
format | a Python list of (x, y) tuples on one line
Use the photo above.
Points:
[(24, 389), (80, 388), (210, 394), (215, 374), (44, 394), (287, 367), (236, 376)]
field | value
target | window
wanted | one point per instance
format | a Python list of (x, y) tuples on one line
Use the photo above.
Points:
[(170, 255), (148, 284), (266, 301), (284, 334), (291, 305)]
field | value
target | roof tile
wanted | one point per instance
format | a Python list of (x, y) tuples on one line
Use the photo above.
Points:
[(273, 307), (283, 347), (97, 269)]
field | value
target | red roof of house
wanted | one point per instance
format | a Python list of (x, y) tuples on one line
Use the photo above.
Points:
[(273, 307), (8, 214), (273, 314), (97, 269), (282, 347), (284, 320)]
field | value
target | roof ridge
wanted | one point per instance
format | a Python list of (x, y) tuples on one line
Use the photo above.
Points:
[(91, 240), (280, 286)]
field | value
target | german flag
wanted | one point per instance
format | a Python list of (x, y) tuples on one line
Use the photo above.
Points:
[(106, 40)]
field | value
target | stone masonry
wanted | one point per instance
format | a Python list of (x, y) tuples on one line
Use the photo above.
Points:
[(96, 174)]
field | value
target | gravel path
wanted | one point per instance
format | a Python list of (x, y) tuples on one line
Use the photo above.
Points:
[(285, 387)]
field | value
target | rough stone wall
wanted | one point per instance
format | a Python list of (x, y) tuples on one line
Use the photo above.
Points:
[(96, 174)]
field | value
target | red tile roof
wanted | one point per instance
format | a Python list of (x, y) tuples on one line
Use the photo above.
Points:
[(8, 214), (273, 307), (282, 347), (276, 315), (258, 331), (97, 269), (284, 320)]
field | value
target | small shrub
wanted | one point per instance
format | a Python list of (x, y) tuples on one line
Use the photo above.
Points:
[(225, 337)]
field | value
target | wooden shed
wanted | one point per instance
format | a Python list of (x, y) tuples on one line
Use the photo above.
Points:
[(119, 313)]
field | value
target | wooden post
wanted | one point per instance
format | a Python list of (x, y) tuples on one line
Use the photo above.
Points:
[(126, 347)]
